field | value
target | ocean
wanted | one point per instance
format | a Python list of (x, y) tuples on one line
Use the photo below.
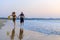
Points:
[(43, 26)]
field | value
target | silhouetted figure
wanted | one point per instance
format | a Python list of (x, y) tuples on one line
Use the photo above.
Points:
[(21, 34), (21, 23), (13, 17), (21, 18), (13, 34)]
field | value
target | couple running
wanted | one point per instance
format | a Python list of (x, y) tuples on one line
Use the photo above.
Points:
[(21, 16)]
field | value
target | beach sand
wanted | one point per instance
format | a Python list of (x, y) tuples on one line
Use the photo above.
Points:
[(32, 35), (27, 34)]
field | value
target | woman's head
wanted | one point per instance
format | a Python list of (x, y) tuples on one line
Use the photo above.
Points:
[(13, 13)]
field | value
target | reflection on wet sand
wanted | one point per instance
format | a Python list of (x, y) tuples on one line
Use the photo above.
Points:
[(13, 34), (21, 34)]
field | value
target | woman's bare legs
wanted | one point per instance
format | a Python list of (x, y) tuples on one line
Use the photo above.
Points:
[(14, 24)]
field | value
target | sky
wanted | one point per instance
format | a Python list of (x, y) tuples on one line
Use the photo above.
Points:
[(31, 8)]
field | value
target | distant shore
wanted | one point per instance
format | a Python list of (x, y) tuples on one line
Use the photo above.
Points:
[(34, 18)]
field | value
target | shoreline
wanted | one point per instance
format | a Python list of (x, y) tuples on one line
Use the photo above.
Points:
[(27, 34), (31, 35)]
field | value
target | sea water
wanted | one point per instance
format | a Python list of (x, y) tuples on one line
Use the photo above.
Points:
[(43, 26)]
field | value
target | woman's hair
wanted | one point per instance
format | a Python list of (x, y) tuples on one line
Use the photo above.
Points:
[(13, 12)]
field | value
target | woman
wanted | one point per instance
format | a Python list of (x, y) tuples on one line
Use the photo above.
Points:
[(13, 17)]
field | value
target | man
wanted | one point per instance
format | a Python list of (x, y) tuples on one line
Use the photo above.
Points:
[(21, 18)]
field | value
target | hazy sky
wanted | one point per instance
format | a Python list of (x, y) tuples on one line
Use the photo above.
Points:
[(31, 8)]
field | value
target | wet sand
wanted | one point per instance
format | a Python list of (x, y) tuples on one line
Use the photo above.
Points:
[(26, 34), (30, 35)]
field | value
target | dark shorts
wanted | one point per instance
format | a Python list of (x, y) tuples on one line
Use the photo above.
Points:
[(14, 19), (21, 20)]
